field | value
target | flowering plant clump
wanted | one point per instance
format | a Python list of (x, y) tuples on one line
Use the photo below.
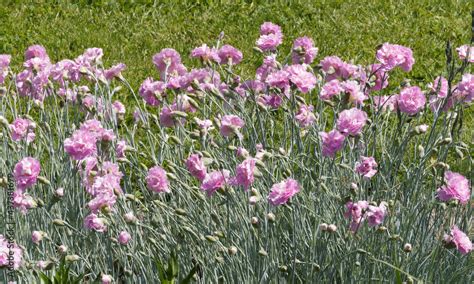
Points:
[(235, 178)]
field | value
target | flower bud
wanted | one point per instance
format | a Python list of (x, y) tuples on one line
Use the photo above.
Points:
[(59, 192), (262, 252), (232, 250), (407, 247), (323, 227), (72, 258), (332, 228), (253, 200), (254, 221), (271, 217), (59, 222), (62, 249)]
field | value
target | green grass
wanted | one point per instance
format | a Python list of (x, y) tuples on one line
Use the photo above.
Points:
[(132, 34)]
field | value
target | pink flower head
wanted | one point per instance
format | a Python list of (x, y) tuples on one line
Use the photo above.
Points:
[(206, 53), (106, 279), (270, 36), (26, 173), (331, 89), (114, 71), (166, 117), (93, 55), (379, 77), (229, 55), (23, 129), (335, 68), (273, 100), (332, 142), (376, 214), (36, 51), (367, 167), (268, 66), (281, 192), (214, 181), (279, 79), (303, 51), (118, 107), (4, 64), (393, 55), (120, 149), (167, 60), (157, 181), (456, 188), (93, 222), (439, 88), (466, 87), (82, 144), (411, 100), (385, 103), (244, 173), (205, 124), (22, 201), (196, 167), (5, 249), (353, 89), (459, 239), (37, 236), (463, 53), (104, 197), (152, 91), (305, 116), (351, 121), (305, 81), (231, 124), (124, 237), (355, 212)]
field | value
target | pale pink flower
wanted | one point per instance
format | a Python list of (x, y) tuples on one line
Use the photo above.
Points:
[(333, 141), (22, 201), (305, 116), (331, 89), (356, 95), (93, 222), (355, 212), (351, 121), (23, 129), (167, 60), (152, 91), (206, 53), (196, 167), (281, 192), (459, 239), (4, 64), (385, 103), (231, 124), (5, 249), (157, 181), (456, 188), (124, 237), (367, 167), (376, 214), (303, 51), (114, 72), (411, 100), (393, 55), (244, 173), (463, 53), (120, 149), (214, 181), (106, 279), (229, 55), (335, 68), (466, 87), (36, 51), (37, 236), (82, 144), (26, 173), (270, 37), (305, 81)]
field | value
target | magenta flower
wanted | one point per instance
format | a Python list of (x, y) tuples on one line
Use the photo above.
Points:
[(244, 173), (331, 89), (104, 198), (114, 71), (367, 167), (5, 249), (82, 144), (351, 121), (22, 201), (4, 64), (166, 117), (26, 173), (305, 81), (376, 214), (196, 167), (93, 222), (356, 95), (124, 237), (303, 51), (36, 51), (270, 37), (167, 60), (152, 91), (214, 181), (23, 129), (157, 181), (206, 53), (268, 66), (459, 239), (279, 79), (332, 142), (355, 212), (463, 53), (466, 87), (229, 55), (456, 188), (305, 116), (281, 192), (411, 100), (393, 55), (231, 124), (335, 68)]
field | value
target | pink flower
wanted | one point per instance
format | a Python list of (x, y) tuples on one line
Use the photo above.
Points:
[(114, 71), (466, 87), (367, 167), (459, 239), (206, 54), (26, 173), (106, 279), (124, 237), (37, 236), (93, 222), (205, 124), (82, 144), (273, 101), (231, 124), (376, 214), (244, 173), (157, 181), (196, 167), (411, 100), (385, 102), (270, 36), (214, 181), (268, 66), (120, 149), (351, 121), (393, 55), (279, 79), (4, 64), (463, 53), (305, 116), (23, 129), (305, 81), (330, 89), (167, 60), (104, 198), (281, 192), (381, 77), (441, 90), (166, 117), (93, 55), (22, 201), (355, 212), (332, 142), (229, 55), (36, 51), (152, 92), (303, 51), (356, 96), (335, 68), (456, 188), (5, 249)]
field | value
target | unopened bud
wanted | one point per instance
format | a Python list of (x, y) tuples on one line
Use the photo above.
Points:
[(407, 247), (72, 257), (59, 222), (332, 228), (262, 252), (271, 217), (254, 221), (232, 250), (323, 227)]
